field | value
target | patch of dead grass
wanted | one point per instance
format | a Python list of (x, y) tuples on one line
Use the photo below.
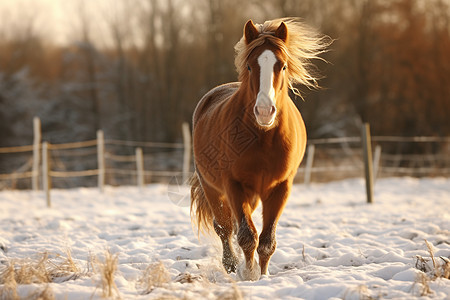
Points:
[(440, 268), (42, 269), (47, 268), (155, 275), (9, 289), (423, 283), (107, 270), (233, 294)]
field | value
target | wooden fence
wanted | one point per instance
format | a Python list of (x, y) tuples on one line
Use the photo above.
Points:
[(39, 165), (321, 157)]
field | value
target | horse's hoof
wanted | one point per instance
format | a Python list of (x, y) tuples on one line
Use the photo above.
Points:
[(230, 264), (252, 274), (264, 277)]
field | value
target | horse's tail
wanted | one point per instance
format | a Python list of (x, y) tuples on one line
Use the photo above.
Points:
[(201, 212)]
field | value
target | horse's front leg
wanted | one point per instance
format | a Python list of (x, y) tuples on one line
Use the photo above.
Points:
[(224, 229), (272, 208), (247, 235)]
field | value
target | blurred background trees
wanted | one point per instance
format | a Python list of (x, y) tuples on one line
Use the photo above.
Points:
[(137, 68)]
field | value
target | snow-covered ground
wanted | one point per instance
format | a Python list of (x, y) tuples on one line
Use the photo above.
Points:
[(331, 244)]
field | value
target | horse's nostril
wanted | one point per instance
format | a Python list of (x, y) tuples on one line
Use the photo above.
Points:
[(273, 110)]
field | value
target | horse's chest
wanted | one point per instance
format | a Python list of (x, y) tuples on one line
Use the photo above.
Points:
[(272, 162)]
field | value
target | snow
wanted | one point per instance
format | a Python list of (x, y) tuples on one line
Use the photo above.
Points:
[(331, 244)]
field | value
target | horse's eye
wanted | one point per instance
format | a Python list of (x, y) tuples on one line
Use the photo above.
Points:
[(248, 68), (284, 68)]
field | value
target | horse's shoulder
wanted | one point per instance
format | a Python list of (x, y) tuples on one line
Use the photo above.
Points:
[(222, 92), (214, 97)]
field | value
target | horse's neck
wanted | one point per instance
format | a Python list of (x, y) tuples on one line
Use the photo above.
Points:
[(283, 103)]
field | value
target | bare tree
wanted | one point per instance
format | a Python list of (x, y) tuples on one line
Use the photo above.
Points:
[(89, 53)]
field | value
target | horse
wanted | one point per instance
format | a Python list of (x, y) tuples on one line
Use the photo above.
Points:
[(249, 140)]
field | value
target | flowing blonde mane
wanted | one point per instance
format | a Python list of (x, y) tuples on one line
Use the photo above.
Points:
[(303, 45)]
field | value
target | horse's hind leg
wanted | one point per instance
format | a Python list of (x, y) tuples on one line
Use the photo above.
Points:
[(272, 208), (223, 226)]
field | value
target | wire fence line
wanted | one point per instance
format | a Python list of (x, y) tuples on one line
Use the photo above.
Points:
[(145, 144), (73, 164), (342, 157), (393, 139), (325, 160), (80, 148)]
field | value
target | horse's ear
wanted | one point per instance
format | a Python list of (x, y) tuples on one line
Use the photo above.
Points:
[(282, 32), (250, 32)]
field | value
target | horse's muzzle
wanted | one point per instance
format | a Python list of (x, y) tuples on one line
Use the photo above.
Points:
[(265, 115)]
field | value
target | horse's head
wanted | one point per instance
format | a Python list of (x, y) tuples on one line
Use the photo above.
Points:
[(266, 67), (271, 58)]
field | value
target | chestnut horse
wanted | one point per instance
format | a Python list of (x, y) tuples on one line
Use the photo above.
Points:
[(249, 140)]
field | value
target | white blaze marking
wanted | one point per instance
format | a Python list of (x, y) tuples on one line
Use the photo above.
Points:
[(266, 95)]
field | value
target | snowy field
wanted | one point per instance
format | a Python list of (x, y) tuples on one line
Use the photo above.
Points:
[(331, 244)]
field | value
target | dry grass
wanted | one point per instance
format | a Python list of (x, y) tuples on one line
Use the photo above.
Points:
[(446, 268), (107, 270), (189, 278), (234, 294), (304, 253), (9, 289), (44, 268), (360, 291), (45, 293), (430, 273), (440, 270), (155, 275), (42, 294), (32, 271), (64, 268), (422, 280), (48, 268)]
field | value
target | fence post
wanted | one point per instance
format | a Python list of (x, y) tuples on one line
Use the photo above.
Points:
[(101, 160), (367, 156), (46, 180), (36, 154), (140, 167), (309, 163), (187, 150), (376, 161)]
